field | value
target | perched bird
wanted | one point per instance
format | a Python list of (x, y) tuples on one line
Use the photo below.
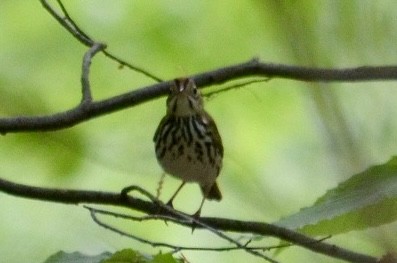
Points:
[(187, 142)]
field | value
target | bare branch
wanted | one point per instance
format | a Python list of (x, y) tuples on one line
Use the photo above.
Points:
[(235, 86), (191, 219), (95, 211), (92, 109), (251, 68), (85, 82), (175, 248), (68, 23), (152, 208), (132, 67), (270, 70)]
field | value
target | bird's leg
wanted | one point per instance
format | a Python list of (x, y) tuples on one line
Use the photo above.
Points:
[(196, 216), (198, 212), (160, 186), (169, 203)]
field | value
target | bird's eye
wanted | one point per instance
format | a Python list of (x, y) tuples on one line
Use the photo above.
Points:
[(195, 91)]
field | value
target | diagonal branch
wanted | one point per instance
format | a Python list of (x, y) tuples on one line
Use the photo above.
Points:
[(68, 23), (152, 208)]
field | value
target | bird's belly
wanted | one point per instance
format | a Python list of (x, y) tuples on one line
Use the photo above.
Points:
[(188, 166)]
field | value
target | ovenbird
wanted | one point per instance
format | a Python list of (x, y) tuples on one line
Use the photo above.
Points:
[(187, 143)]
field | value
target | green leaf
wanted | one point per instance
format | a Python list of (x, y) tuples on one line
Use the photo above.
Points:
[(126, 256), (164, 258), (367, 199), (122, 256), (76, 257)]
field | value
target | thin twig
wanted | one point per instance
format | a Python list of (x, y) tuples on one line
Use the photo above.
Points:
[(132, 67), (85, 82), (234, 86), (113, 229), (68, 23), (75, 28)]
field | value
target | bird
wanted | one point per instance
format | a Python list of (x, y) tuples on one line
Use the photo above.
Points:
[(188, 145)]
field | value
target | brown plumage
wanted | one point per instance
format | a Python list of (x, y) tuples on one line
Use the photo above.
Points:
[(187, 142)]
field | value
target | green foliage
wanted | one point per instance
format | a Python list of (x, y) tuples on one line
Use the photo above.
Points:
[(367, 199), (126, 256), (76, 257), (122, 256)]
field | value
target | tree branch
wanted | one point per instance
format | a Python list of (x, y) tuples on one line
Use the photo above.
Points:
[(256, 251), (251, 68), (95, 211), (181, 218), (92, 109), (154, 208)]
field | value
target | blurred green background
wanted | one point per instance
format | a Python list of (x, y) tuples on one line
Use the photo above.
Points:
[(286, 142)]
